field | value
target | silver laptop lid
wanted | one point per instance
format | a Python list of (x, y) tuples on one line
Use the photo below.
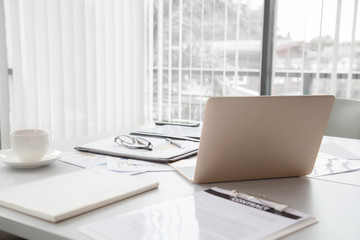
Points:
[(261, 137)]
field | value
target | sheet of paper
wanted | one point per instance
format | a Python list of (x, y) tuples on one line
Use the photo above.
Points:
[(199, 216), (136, 166), (337, 151), (328, 164), (122, 165), (84, 159)]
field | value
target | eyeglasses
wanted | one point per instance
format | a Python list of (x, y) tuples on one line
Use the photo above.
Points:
[(133, 142)]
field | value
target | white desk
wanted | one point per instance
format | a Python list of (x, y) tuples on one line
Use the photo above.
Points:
[(334, 200)]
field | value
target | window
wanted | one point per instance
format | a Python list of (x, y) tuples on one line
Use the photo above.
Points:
[(201, 49), (207, 48), (317, 48), (81, 67)]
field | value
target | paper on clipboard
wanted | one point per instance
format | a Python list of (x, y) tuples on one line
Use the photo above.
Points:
[(200, 216)]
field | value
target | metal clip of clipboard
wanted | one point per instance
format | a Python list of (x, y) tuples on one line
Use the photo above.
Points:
[(277, 206)]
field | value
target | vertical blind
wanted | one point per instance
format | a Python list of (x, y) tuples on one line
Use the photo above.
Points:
[(77, 65), (317, 47), (201, 48)]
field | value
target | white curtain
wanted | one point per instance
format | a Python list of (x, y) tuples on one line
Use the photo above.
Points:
[(77, 65), (4, 83)]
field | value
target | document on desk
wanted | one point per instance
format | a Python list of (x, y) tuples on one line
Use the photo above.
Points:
[(121, 165), (334, 159), (169, 130), (328, 165), (162, 150), (134, 167), (210, 214), (84, 159), (337, 151)]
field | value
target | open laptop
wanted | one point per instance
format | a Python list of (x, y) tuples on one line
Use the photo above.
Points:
[(258, 137)]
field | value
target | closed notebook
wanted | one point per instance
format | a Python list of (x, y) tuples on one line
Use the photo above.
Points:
[(70, 194)]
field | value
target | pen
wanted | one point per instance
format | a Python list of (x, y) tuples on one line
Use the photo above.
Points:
[(174, 142)]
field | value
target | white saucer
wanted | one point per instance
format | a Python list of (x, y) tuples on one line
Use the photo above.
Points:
[(9, 158)]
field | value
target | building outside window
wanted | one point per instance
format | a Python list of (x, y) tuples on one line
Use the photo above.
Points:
[(213, 48)]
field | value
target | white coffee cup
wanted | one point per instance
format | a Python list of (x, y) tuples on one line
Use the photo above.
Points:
[(29, 145)]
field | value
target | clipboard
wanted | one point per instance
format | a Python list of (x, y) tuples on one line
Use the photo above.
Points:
[(163, 150), (210, 214)]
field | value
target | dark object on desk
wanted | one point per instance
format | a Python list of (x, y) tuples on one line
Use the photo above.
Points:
[(133, 142), (169, 131), (178, 123), (162, 135), (260, 137), (8, 236)]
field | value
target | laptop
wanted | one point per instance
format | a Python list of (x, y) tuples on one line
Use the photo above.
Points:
[(245, 138)]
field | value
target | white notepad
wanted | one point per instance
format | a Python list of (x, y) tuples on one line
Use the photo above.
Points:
[(70, 194)]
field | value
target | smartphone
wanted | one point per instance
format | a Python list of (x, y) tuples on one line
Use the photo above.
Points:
[(178, 123)]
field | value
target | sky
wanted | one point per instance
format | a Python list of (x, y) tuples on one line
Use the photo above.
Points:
[(301, 19)]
